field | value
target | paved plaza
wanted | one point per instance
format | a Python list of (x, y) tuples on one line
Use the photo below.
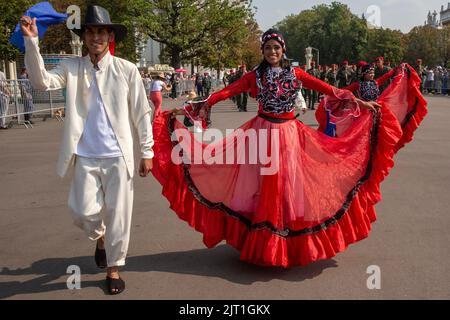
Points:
[(410, 242)]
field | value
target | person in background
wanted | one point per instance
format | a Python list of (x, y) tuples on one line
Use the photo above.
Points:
[(430, 80), (381, 70), (27, 97), (241, 99), (344, 75), (437, 80), (420, 70), (206, 83), (175, 83), (311, 95), (199, 84), (5, 93), (444, 81), (147, 80), (157, 86)]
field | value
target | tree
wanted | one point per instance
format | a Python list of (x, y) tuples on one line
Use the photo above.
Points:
[(250, 50), (241, 47), (387, 43), (333, 29), (11, 11), (444, 46), (422, 42), (57, 38), (188, 27)]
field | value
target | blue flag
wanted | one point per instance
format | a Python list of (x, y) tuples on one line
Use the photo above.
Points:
[(330, 130), (45, 16)]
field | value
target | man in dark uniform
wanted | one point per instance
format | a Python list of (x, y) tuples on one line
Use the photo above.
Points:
[(323, 76), (380, 70), (324, 72), (354, 73), (344, 75), (312, 96), (357, 71), (241, 99), (304, 90), (232, 78), (206, 82), (421, 73), (331, 75)]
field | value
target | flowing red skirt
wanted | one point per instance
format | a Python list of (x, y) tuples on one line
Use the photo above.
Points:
[(308, 199)]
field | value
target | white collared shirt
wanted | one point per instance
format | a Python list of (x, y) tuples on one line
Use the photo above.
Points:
[(98, 139), (157, 85)]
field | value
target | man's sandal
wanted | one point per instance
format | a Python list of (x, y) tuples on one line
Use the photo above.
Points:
[(115, 286), (100, 257)]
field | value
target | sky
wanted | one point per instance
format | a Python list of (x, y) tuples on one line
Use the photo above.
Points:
[(393, 14)]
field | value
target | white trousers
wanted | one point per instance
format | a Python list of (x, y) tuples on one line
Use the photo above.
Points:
[(98, 184)]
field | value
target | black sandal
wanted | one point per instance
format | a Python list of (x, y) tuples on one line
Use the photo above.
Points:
[(115, 284), (100, 257)]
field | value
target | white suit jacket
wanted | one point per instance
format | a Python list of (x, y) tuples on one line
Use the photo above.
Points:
[(121, 89)]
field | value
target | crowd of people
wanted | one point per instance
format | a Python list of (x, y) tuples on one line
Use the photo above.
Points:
[(180, 83), (434, 78), (343, 75)]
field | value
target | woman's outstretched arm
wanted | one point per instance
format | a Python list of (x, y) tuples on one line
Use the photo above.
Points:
[(315, 84), (237, 87), (352, 87), (382, 80)]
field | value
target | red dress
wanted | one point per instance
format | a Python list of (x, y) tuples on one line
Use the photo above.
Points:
[(320, 198)]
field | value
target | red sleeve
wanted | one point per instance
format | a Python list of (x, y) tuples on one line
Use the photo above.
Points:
[(353, 87), (237, 87), (313, 83), (381, 80)]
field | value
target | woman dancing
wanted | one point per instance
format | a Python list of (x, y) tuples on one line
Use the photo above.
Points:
[(321, 195)]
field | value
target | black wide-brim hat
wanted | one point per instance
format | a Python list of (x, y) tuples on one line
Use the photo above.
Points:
[(97, 16)]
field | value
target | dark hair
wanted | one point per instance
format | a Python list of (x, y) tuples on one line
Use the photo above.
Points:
[(272, 31), (284, 63)]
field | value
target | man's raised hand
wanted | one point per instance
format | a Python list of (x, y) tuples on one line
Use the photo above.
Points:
[(28, 26)]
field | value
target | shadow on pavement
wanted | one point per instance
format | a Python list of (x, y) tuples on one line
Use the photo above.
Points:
[(221, 262)]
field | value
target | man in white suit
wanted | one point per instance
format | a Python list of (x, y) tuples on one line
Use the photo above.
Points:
[(106, 101)]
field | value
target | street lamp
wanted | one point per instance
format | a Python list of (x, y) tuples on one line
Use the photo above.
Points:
[(309, 56), (76, 44)]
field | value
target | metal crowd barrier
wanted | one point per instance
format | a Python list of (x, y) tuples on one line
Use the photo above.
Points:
[(436, 87), (186, 86), (19, 102)]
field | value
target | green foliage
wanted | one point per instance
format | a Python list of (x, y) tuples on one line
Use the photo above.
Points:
[(333, 29), (387, 43), (10, 12), (429, 44), (339, 35), (193, 28), (240, 47), (221, 33), (57, 37)]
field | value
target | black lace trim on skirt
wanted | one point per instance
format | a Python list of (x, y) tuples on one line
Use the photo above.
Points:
[(287, 233)]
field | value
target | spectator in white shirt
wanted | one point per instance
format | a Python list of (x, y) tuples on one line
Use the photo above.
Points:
[(158, 86)]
